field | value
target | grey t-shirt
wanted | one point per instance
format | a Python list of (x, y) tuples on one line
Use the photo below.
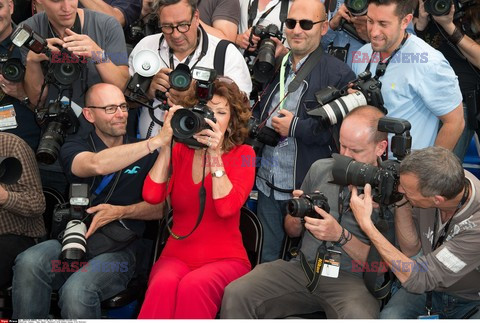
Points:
[(211, 10), (317, 179), (101, 28)]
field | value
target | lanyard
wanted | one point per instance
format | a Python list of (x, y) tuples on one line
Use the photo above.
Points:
[(382, 66), (282, 80), (441, 238)]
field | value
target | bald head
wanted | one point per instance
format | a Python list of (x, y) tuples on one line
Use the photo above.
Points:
[(102, 94), (365, 119)]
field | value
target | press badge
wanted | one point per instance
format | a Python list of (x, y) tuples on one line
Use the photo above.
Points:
[(7, 117), (331, 263)]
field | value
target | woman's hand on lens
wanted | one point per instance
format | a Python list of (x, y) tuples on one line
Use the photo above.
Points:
[(212, 138)]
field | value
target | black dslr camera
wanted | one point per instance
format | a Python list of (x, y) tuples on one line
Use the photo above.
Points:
[(335, 104), (63, 68), (140, 29), (57, 121), (260, 135), (384, 179), (12, 69), (187, 122), (10, 170), (264, 63), (305, 205), (442, 7), (180, 79), (68, 225)]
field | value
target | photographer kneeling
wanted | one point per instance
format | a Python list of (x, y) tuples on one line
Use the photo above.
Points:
[(438, 233), (89, 158), (279, 289)]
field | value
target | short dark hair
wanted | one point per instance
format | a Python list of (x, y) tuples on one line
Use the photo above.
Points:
[(438, 170), (403, 7), (163, 3)]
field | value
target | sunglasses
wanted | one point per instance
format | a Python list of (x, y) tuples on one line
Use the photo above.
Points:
[(305, 24)]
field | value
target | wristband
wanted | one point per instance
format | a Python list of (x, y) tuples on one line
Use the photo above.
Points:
[(456, 36), (342, 240)]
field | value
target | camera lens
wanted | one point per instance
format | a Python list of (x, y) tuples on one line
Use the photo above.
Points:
[(185, 123), (66, 73), (438, 7), (13, 70), (74, 244), (180, 78), (50, 143), (357, 7), (348, 171), (298, 207), (264, 64)]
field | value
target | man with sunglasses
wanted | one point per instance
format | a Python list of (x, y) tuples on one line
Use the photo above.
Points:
[(89, 157), (418, 83), (183, 40), (303, 139)]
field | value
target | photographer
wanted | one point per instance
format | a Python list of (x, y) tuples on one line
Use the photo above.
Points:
[(14, 102), (188, 279), (95, 37), (21, 204), (303, 139), (124, 11), (418, 83), (445, 33), (183, 40), (437, 229), (278, 289), (88, 158)]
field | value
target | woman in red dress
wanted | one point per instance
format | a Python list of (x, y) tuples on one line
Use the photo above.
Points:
[(189, 278)]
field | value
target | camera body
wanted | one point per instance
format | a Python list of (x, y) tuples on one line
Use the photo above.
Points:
[(264, 63), (12, 69), (180, 79), (139, 29), (63, 67), (58, 121), (67, 224), (187, 122), (335, 104), (385, 178), (305, 205), (260, 135)]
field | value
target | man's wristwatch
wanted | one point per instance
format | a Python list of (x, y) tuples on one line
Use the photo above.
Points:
[(218, 173)]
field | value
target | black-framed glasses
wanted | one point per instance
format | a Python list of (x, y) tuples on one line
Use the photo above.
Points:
[(305, 24), (181, 28), (112, 108)]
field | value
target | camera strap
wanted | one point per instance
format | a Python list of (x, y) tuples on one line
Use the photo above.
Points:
[(382, 65), (202, 194), (76, 28), (313, 274)]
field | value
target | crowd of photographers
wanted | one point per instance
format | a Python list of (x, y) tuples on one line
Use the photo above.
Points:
[(361, 113)]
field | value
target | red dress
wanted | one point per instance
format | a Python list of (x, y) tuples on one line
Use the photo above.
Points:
[(216, 240)]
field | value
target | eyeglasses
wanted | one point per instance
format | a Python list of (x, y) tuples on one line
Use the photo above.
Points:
[(181, 28), (111, 109), (304, 23)]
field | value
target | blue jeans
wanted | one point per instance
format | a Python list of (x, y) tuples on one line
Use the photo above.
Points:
[(80, 293), (271, 214), (405, 305)]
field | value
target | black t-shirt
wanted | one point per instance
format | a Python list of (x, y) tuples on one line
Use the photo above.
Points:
[(129, 187), (467, 78)]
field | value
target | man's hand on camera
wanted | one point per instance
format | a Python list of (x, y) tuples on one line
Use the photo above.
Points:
[(104, 214), (362, 206), (159, 82), (80, 45), (242, 40), (341, 13), (280, 49), (360, 24), (423, 17), (326, 228), (52, 43), (446, 21), (174, 96), (13, 89), (281, 124)]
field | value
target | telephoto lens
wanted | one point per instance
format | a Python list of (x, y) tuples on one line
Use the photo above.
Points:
[(74, 244)]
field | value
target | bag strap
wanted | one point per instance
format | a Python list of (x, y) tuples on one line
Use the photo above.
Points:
[(219, 58), (306, 69)]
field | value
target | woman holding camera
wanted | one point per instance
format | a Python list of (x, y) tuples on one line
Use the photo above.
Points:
[(189, 278)]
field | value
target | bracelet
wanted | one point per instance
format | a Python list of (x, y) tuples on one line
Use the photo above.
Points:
[(148, 146), (342, 240), (456, 36)]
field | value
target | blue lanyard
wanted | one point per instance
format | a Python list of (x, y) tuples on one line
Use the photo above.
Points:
[(106, 179)]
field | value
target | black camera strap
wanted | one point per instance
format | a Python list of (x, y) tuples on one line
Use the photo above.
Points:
[(76, 28), (313, 274), (202, 194), (382, 65)]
